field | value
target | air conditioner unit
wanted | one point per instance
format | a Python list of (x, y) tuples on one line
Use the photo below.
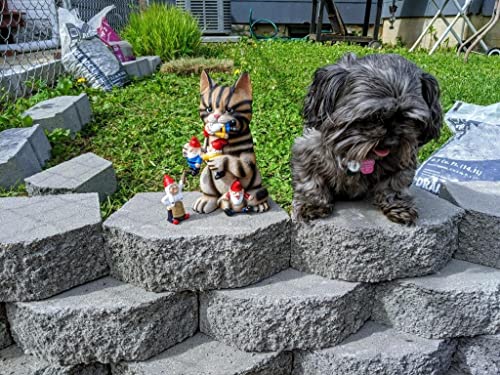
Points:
[(214, 16)]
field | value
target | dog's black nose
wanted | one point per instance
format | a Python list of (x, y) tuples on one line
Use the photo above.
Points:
[(389, 142)]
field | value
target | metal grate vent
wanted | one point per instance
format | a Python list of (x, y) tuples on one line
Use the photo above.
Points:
[(214, 16)]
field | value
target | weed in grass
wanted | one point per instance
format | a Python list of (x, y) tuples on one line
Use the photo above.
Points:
[(195, 65), (17, 191)]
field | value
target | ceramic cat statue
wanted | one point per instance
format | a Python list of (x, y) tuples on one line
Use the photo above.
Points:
[(226, 112)]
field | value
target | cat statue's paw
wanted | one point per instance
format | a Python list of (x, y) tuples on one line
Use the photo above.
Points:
[(205, 204)]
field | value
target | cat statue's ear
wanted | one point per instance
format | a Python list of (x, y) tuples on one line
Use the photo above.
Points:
[(205, 82), (244, 84)]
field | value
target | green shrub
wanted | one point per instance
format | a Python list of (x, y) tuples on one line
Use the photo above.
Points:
[(163, 30)]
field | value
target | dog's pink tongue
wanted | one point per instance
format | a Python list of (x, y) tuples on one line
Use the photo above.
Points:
[(367, 166), (382, 153)]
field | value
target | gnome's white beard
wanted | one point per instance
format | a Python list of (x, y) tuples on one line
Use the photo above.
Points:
[(174, 198), (237, 201), (191, 155)]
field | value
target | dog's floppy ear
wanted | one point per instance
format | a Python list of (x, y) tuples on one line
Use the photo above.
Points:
[(431, 93), (323, 94)]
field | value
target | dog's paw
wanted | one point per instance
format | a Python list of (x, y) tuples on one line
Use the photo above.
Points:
[(307, 212), (401, 212)]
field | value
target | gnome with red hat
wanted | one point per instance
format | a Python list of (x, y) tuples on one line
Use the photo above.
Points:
[(192, 152), (235, 200), (215, 149), (173, 199)]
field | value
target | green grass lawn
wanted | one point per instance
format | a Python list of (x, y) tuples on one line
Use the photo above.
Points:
[(142, 127)]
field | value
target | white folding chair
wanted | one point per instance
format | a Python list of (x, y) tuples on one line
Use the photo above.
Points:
[(477, 37), (462, 13)]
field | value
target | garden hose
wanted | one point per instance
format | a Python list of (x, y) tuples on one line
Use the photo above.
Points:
[(273, 36)]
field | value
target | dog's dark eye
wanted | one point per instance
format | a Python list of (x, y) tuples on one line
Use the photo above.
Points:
[(209, 109)]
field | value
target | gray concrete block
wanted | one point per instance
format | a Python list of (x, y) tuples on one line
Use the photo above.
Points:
[(453, 371), (478, 355), (221, 39), (200, 355), (49, 244), (17, 161), (16, 79), (154, 62), (358, 243), (5, 338), (62, 112), (290, 310), (84, 174), (36, 138), (479, 230), (14, 362), (463, 299), (204, 252), (377, 349), (103, 321), (141, 67)]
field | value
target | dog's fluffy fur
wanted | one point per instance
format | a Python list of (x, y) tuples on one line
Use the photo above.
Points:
[(354, 107)]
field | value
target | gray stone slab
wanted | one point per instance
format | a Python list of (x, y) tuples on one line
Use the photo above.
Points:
[(49, 244), (377, 349), (290, 310), (141, 67), (14, 362), (358, 243), (62, 112), (16, 79), (204, 252), (103, 321), (479, 230), (5, 338), (221, 39), (478, 355), (201, 355), (463, 299), (453, 371), (154, 62), (36, 138), (84, 174), (17, 161)]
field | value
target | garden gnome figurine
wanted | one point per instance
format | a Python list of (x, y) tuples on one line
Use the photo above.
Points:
[(214, 150), (235, 200), (192, 153), (173, 199)]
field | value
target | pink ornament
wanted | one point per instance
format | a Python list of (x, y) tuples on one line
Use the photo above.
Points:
[(106, 32)]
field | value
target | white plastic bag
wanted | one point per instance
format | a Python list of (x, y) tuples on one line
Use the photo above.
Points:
[(472, 156), (85, 55)]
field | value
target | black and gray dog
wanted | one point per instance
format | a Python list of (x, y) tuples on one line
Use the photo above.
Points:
[(365, 119)]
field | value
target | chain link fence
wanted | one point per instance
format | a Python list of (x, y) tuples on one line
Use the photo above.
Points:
[(29, 39)]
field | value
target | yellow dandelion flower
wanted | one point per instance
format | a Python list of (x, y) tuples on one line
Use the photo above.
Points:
[(81, 80), (237, 72)]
